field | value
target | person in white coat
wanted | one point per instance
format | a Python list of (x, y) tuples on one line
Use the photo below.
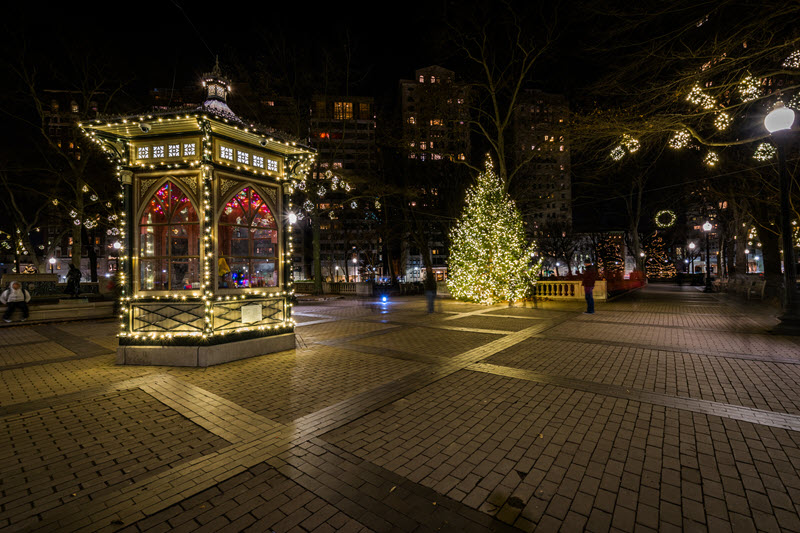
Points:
[(16, 297)]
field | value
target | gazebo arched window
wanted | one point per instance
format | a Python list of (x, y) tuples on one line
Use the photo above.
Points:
[(169, 242), (247, 242)]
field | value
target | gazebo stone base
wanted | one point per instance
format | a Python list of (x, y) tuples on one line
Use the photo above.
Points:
[(205, 355)]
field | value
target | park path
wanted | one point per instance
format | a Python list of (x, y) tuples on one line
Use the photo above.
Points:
[(668, 409)]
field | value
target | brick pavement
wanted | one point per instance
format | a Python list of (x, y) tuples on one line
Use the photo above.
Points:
[(666, 410)]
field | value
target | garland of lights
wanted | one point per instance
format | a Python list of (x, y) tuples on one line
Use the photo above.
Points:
[(669, 223)]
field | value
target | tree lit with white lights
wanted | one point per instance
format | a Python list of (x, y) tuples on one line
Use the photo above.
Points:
[(489, 258)]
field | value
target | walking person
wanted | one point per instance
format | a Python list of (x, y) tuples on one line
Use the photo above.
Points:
[(589, 277), (16, 297), (73, 281), (430, 292)]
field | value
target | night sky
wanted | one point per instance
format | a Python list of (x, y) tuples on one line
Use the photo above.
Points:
[(166, 43)]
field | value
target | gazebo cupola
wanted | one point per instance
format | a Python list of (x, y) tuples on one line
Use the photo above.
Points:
[(205, 226), (217, 88)]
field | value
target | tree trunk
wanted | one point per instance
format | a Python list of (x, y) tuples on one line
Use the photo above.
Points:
[(770, 251), (315, 245)]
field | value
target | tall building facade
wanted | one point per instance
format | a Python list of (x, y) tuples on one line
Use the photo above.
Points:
[(544, 185), (343, 131), (435, 115), (435, 137)]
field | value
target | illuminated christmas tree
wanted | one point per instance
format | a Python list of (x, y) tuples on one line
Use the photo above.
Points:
[(489, 259), (658, 264)]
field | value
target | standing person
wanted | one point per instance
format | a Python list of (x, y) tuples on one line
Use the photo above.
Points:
[(430, 292), (15, 296), (73, 281), (589, 277)]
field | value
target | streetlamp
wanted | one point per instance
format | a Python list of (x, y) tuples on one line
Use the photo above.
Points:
[(117, 247), (52, 262), (707, 229), (692, 246), (779, 122), (336, 279)]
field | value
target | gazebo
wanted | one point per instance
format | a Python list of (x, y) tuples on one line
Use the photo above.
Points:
[(205, 265)]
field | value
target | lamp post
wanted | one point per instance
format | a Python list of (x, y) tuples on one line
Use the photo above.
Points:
[(779, 122), (692, 246), (52, 262), (707, 229), (117, 246)]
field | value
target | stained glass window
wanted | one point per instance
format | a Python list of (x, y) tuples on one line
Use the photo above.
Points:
[(189, 149), (242, 157), (226, 153), (258, 161), (248, 242), (174, 150), (143, 152), (272, 165), (169, 242), (158, 151)]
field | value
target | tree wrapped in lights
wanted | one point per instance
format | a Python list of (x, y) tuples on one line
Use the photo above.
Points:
[(324, 195), (720, 70), (489, 258), (658, 263)]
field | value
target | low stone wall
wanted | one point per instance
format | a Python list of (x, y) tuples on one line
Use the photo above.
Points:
[(363, 289), (46, 285), (67, 310)]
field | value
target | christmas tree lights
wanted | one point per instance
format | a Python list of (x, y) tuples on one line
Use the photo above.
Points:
[(489, 258)]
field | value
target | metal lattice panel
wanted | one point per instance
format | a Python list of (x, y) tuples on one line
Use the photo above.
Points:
[(228, 315), (167, 317)]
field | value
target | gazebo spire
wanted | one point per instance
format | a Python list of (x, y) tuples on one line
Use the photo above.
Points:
[(217, 89)]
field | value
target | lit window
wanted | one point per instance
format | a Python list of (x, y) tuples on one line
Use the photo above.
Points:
[(248, 242), (412, 119), (437, 122), (423, 145), (461, 157), (169, 239), (433, 79), (272, 165), (143, 152), (258, 161), (188, 149), (226, 153), (363, 110), (460, 100), (242, 157), (437, 157), (174, 150), (422, 79), (561, 148), (337, 164), (342, 110), (158, 151)]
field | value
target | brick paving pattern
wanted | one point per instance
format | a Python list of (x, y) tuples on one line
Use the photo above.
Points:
[(668, 409)]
